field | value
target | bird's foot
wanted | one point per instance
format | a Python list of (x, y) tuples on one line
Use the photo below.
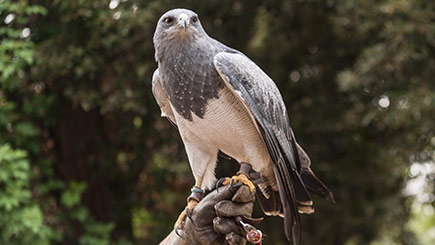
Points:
[(240, 178), (187, 212), (193, 200)]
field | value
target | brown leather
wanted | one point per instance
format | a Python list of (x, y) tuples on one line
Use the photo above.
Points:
[(214, 218), (246, 169), (198, 196)]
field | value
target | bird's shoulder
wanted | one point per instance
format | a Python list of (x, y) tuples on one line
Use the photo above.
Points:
[(255, 88)]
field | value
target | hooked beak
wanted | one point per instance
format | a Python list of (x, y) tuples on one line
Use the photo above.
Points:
[(183, 21)]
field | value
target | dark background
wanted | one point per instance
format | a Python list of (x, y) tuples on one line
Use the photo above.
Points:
[(86, 159)]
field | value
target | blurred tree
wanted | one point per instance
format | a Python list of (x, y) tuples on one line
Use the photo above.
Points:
[(357, 77)]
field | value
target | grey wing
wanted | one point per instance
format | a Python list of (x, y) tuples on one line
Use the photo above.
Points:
[(162, 98), (261, 97)]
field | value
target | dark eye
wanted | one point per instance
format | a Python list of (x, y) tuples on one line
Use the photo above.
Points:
[(169, 20), (194, 19)]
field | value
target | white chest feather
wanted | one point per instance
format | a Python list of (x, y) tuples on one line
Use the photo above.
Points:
[(228, 127)]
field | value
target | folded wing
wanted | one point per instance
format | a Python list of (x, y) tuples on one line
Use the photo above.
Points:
[(262, 99)]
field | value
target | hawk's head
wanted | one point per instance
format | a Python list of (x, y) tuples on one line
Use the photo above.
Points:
[(178, 25)]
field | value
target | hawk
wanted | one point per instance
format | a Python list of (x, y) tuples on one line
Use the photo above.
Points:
[(221, 101)]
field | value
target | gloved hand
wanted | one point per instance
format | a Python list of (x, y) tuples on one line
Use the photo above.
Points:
[(213, 220)]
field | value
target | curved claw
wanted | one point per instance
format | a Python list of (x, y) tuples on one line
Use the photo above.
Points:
[(176, 231), (219, 183), (239, 179), (189, 215)]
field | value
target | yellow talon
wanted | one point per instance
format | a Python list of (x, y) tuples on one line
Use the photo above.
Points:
[(191, 204), (241, 178)]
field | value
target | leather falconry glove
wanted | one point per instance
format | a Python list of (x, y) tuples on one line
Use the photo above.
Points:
[(216, 219)]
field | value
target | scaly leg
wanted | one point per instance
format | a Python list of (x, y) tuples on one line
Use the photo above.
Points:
[(192, 201)]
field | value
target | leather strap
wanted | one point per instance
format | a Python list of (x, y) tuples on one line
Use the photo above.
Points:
[(246, 169), (197, 194)]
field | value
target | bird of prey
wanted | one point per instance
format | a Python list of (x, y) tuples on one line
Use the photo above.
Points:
[(221, 101)]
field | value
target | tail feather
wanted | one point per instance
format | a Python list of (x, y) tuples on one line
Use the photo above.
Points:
[(316, 186), (270, 205), (292, 221), (305, 209), (311, 182), (290, 186)]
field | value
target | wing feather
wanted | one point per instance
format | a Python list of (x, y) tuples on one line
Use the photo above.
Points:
[(162, 98), (262, 99)]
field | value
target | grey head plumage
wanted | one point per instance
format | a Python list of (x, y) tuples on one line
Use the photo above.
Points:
[(172, 30)]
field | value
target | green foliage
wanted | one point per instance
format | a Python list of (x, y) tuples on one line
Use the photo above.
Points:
[(99, 166), (14, 177), (96, 233), (29, 210), (72, 195), (15, 51), (21, 219)]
